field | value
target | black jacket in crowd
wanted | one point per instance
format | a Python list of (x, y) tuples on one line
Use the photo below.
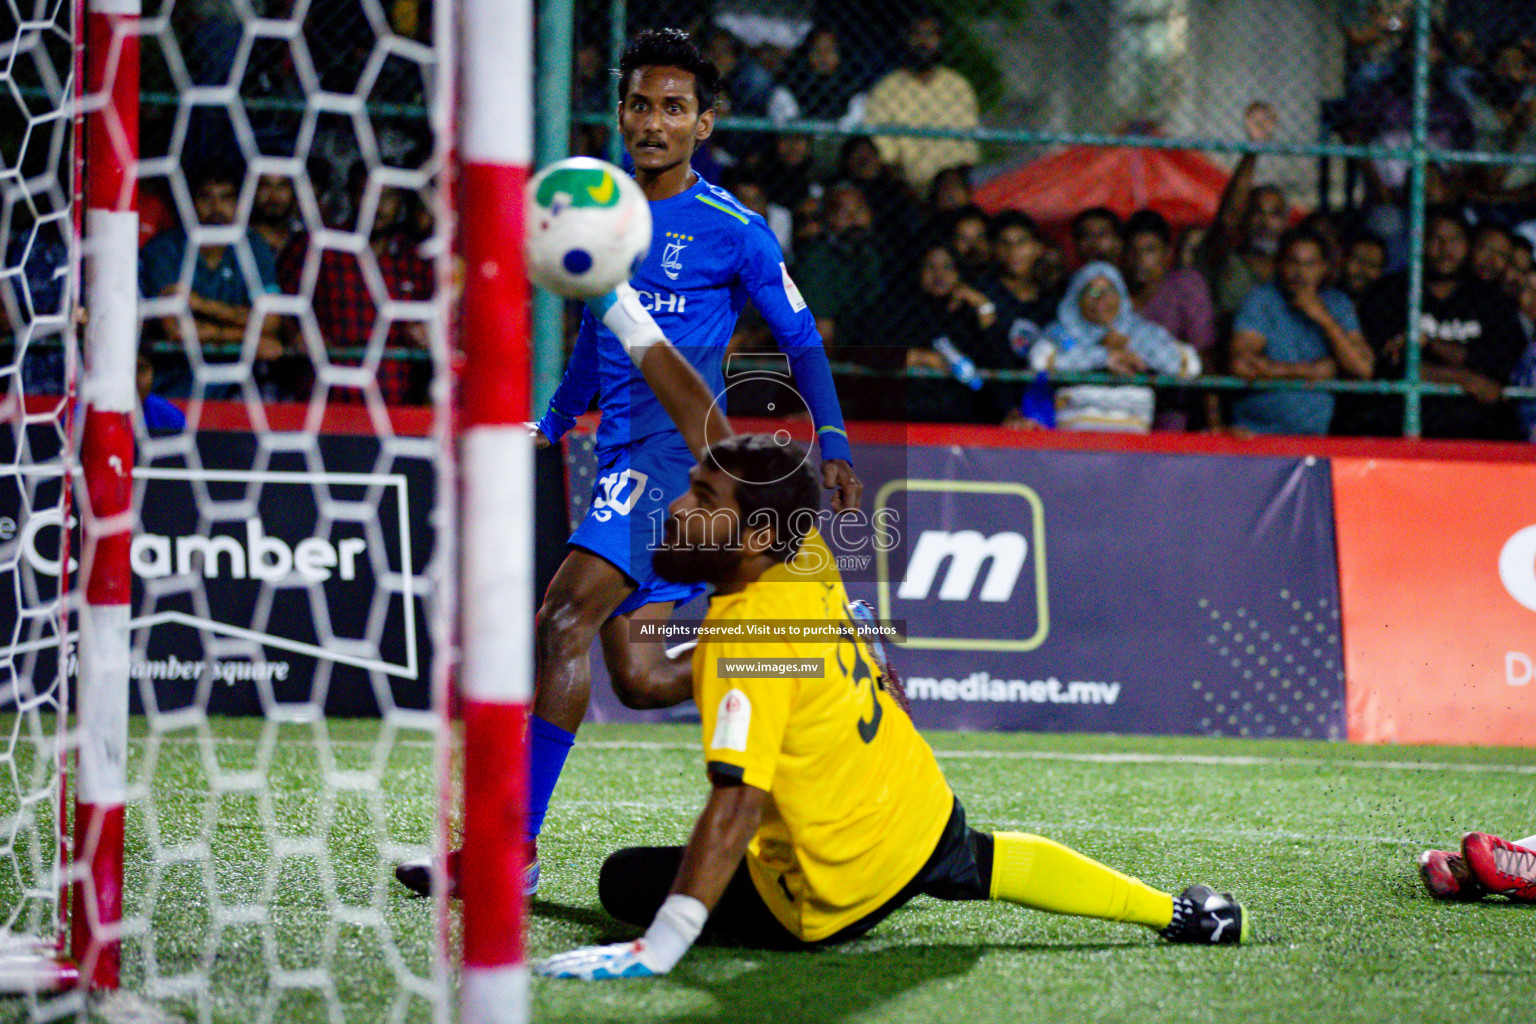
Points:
[(1477, 316)]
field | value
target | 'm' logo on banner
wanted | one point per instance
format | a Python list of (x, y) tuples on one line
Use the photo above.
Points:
[(977, 583), (966, 553)]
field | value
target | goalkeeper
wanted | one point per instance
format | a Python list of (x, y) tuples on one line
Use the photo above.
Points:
[(826, 810)]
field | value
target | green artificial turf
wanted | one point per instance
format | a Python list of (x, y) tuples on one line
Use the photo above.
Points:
[(1316, 839)]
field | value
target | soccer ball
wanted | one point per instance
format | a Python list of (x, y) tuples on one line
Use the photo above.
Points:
[(588, 227)]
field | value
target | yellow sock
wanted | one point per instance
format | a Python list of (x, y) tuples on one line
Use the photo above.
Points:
[(1036, 872)]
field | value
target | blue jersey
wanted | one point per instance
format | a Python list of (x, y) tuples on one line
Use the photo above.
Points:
[(708, 255)]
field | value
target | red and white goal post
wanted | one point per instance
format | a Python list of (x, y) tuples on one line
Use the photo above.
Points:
[(497, 465), (97, 447), (73, 910)]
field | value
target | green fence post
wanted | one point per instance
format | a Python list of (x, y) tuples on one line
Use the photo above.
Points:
[(618, 27), (1412, 426), (552, 141)]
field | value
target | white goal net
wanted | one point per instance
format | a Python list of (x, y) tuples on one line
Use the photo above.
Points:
[(290, 613), (37, 291)]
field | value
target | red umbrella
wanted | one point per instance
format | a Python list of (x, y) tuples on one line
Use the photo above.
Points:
[(1183, 186)]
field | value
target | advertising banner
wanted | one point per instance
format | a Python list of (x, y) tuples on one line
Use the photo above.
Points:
[(1135, 592), (1099, 591), (299, 581), (1437, 568)]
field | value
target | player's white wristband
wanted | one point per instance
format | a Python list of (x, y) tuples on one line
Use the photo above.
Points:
[(673, 930), (621, 312), (681, 650)]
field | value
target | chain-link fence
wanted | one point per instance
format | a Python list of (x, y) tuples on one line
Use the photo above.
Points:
[(886, 145), (304, 123), (1179, 141)]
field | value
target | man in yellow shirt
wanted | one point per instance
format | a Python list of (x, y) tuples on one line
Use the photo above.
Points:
[(827, 810), (923, 93)]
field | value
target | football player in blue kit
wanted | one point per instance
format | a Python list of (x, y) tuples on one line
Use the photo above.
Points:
[(708, 256)]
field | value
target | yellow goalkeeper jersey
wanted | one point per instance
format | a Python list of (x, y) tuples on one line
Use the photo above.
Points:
[(856, 801)]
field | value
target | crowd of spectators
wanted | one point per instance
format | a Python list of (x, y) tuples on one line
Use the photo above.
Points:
[(374, 255), (1265, 293), (199, 306), (901, 269)]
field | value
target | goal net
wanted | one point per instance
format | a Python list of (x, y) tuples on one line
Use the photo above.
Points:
[(228, 523), (36, 343)]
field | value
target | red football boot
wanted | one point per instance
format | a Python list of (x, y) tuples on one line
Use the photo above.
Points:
[(1447, 876), (1501, 866)]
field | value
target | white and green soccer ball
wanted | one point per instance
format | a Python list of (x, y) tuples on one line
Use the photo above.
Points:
[(588, 227)]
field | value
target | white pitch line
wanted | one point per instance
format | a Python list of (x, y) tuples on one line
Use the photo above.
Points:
[(1209, 833), (1205, 760), (1235, 761), (1209, 760), (977, 810)]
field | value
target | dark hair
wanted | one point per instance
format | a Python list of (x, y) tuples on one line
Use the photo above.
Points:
[(844, 185), (1449, 213), (713, 32), (1322, 222), (1095, 213), (1521, 242), (820, 28), (223, 172), (1508, 43), (1366, 238), (1015, 219), (1275, 190), (1299, 235), (1489, 227), (670, 48), (733, 178), (928, 241), (961, 171), (968, 212), (923, 12), (774, 485), (1148, 222)]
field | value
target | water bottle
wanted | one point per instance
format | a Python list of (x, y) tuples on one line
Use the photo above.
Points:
[(959, 363), (1039, 402)]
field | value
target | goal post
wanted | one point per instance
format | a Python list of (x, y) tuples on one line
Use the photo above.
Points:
[(111, 114), (497, 461)]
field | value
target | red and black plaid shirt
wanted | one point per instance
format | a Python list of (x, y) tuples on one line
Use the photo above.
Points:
[(346, 314)]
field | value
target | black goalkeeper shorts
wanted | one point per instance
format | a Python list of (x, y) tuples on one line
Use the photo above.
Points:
[(635, 881)]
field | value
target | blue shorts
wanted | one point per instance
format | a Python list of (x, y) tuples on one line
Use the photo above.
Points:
[(634, 486)]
